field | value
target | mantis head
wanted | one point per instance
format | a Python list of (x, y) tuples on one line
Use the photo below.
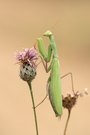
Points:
[(47, 33)]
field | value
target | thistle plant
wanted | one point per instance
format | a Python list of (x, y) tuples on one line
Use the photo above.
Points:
[(27, 60)]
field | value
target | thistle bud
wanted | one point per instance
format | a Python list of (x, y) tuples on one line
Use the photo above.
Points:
[(27, 72)]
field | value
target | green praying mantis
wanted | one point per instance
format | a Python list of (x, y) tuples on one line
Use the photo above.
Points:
[(54, 81)]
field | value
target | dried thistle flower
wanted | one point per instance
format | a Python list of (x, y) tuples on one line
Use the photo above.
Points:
[(27, 59), (70, 101)]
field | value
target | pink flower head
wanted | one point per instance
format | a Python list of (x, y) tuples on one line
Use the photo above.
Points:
[(27, 56)]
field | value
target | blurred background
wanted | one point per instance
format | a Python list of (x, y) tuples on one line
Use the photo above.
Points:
[(21, 22)]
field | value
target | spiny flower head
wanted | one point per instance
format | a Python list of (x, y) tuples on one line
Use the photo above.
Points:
[(27, 59)]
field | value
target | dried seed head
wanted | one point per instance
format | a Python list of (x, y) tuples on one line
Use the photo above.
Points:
[(27, 72), (69, 101)]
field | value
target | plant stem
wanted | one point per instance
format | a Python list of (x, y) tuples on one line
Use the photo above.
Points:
[(35, 116), (69, 112)]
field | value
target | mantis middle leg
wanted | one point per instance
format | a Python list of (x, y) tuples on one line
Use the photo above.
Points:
[(47, 87)]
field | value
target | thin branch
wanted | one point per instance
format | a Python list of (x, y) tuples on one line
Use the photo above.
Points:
[(67, 121), (35, 116)]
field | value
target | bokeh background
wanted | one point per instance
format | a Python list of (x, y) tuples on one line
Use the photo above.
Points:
[(21, 22)]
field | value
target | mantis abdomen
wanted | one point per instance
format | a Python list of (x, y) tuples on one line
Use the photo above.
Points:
[(55, 88)]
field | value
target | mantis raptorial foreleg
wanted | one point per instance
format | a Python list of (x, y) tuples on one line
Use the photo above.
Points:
[(72, 85)]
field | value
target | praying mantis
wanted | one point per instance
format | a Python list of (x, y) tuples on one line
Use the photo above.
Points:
[(54, 80)]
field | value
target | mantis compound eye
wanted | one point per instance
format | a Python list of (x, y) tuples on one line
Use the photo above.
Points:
[(27, 72)]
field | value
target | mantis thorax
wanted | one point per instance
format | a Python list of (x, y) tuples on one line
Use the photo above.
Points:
[(53, 46)]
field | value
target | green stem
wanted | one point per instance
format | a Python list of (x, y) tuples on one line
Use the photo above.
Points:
[(35, 116)]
